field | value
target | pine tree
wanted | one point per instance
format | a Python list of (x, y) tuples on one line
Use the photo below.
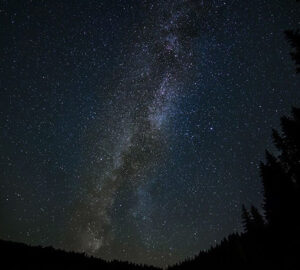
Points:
[(246, 220), (258, 221), (289, 144), (280, 177), (293, 37), (273, 179)]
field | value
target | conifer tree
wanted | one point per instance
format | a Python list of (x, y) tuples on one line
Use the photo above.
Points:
[(280, 177), (293, 37), (246, 219), (258, 221)]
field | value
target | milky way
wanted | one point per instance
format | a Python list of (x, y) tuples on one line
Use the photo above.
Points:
[(135, 143), (133, 130)]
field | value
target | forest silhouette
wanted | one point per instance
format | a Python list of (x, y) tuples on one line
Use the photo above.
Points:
[(270, 239)]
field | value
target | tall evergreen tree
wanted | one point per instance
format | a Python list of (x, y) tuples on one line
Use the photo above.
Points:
[(281, 179), (246, 219), (273, 178), (257, 219), (293, 37)]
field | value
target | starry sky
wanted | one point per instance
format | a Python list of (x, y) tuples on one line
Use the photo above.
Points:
[(133, 129)]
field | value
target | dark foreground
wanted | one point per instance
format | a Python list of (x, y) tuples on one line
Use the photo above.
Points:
[(21, 256), (246, 251)]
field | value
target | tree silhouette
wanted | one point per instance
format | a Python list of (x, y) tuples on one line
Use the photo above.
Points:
[(281, 175), (257, 219), (246, 219), (273, 181), (253, 221), (293, 36)]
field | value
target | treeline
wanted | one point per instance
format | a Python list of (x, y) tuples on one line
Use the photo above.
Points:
[(21, 256)]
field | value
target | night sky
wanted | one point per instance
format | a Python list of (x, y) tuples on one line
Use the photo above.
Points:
[(133, 129)]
